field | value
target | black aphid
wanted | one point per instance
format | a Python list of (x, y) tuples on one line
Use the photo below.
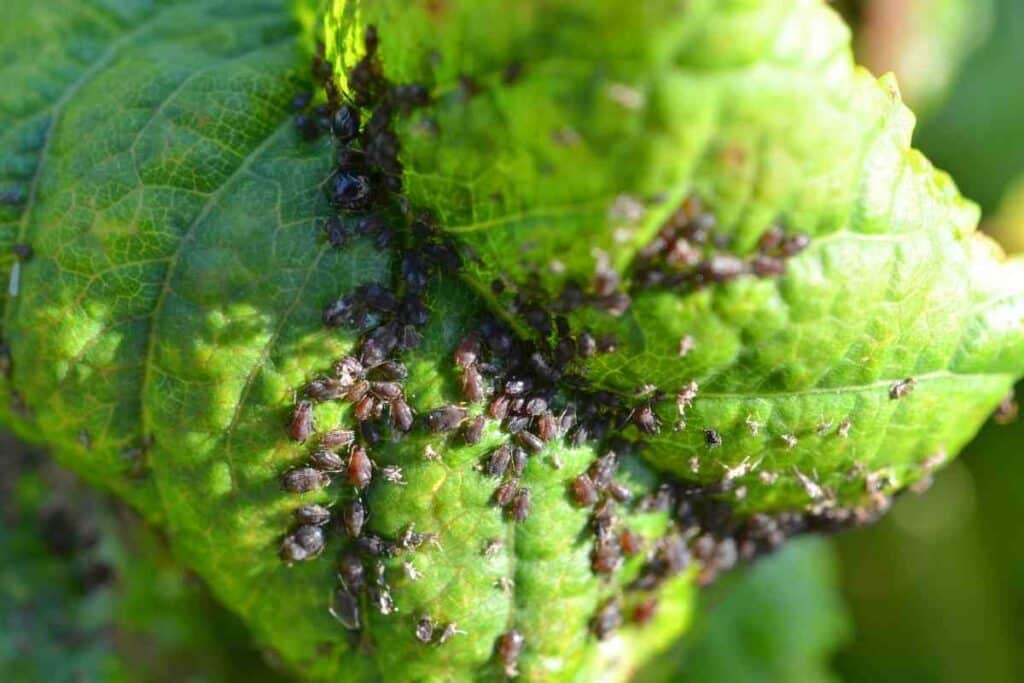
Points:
[(337, 438), (607, 619), (304, 479), (473, 430), (326, 461), (504, 494), (521, 505), (376, 546), (345, 124), (350, 191), (360, 469), (351, 572), (445, 419), (902, 388), (424, 630), (345, 608), (312, 514), (301, 427), (353, 514), (712, 439), (24, 252), (305, 544), (510, 647)]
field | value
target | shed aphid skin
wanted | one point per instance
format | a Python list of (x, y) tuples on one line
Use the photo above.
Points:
[(411, 572), (424, 630), (789, 440), (902, 388), (844, 428), (450, 631), (345, 608), (492, 547), (510, 647)]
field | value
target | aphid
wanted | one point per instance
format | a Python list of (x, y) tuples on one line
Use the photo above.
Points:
[(516, 423), (794, 244), (339, 312), (382, 598), (547, 427), (365, 408), (619, 492), (607, 554), (521, 505), (584, 491), (498, 461), (712, 438), (504, 494), (386, 391), (304, 479), (411, 572), (510, 646), (337, 438), (630, 541), (353, 514), (351, 572), (721, 268), (472, 385), (345, 608), (902, 388), (314, 514), (530, 441), (645, 611), (378, 298), (392, 474), (445, 419), (389, 370), (424, 629), (301, 427), (305, 544), (467, 352), (360, 469), (768, 266), (586, 344), (498, 408), (603, 469), (369, 431), (473, 430), (518, 463), (607, 619), (376, 546), (345, 124), (306, 127), (813, 490), (770, 239), (401, 415), (348, 370), (326, 461), (350, 191), (646, 419), (1007, 411)]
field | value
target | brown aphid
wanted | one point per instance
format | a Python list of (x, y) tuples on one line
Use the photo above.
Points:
[(337, 438), (326, 461), (473, 430), (712, 439), (445, 419), (607, 619), (504, 494), (645, 611), (360, 468), (304, 479), (365, 408), (794, 244), (603, 469), (768, 266), (630, 541), (530, 441), (401, 415), (619, 492), (584, 491), (473, 385), (345, 608), (518, 462), (607, 554), (325, 389), (498, 408), (547, 427), (467, 352), (902, 388), (301, 427), (349, 370), (424, 630), (771, 239), (386, 391), (353, 514), (314, 514), (721, 268), (510, 647), (521, 505)]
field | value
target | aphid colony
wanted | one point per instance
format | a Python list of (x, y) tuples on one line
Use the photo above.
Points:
[(686, 252), (525, 387)]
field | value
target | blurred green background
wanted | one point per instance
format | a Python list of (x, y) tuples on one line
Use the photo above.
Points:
[(934, 592)]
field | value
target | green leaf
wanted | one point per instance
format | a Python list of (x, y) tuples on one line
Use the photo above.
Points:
[(171, 313), (776, 126)]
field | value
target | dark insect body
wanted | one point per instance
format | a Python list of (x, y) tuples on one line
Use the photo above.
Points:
[(312, 514), (301, 427), (510, 647), (360, 469), (304, 480)]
